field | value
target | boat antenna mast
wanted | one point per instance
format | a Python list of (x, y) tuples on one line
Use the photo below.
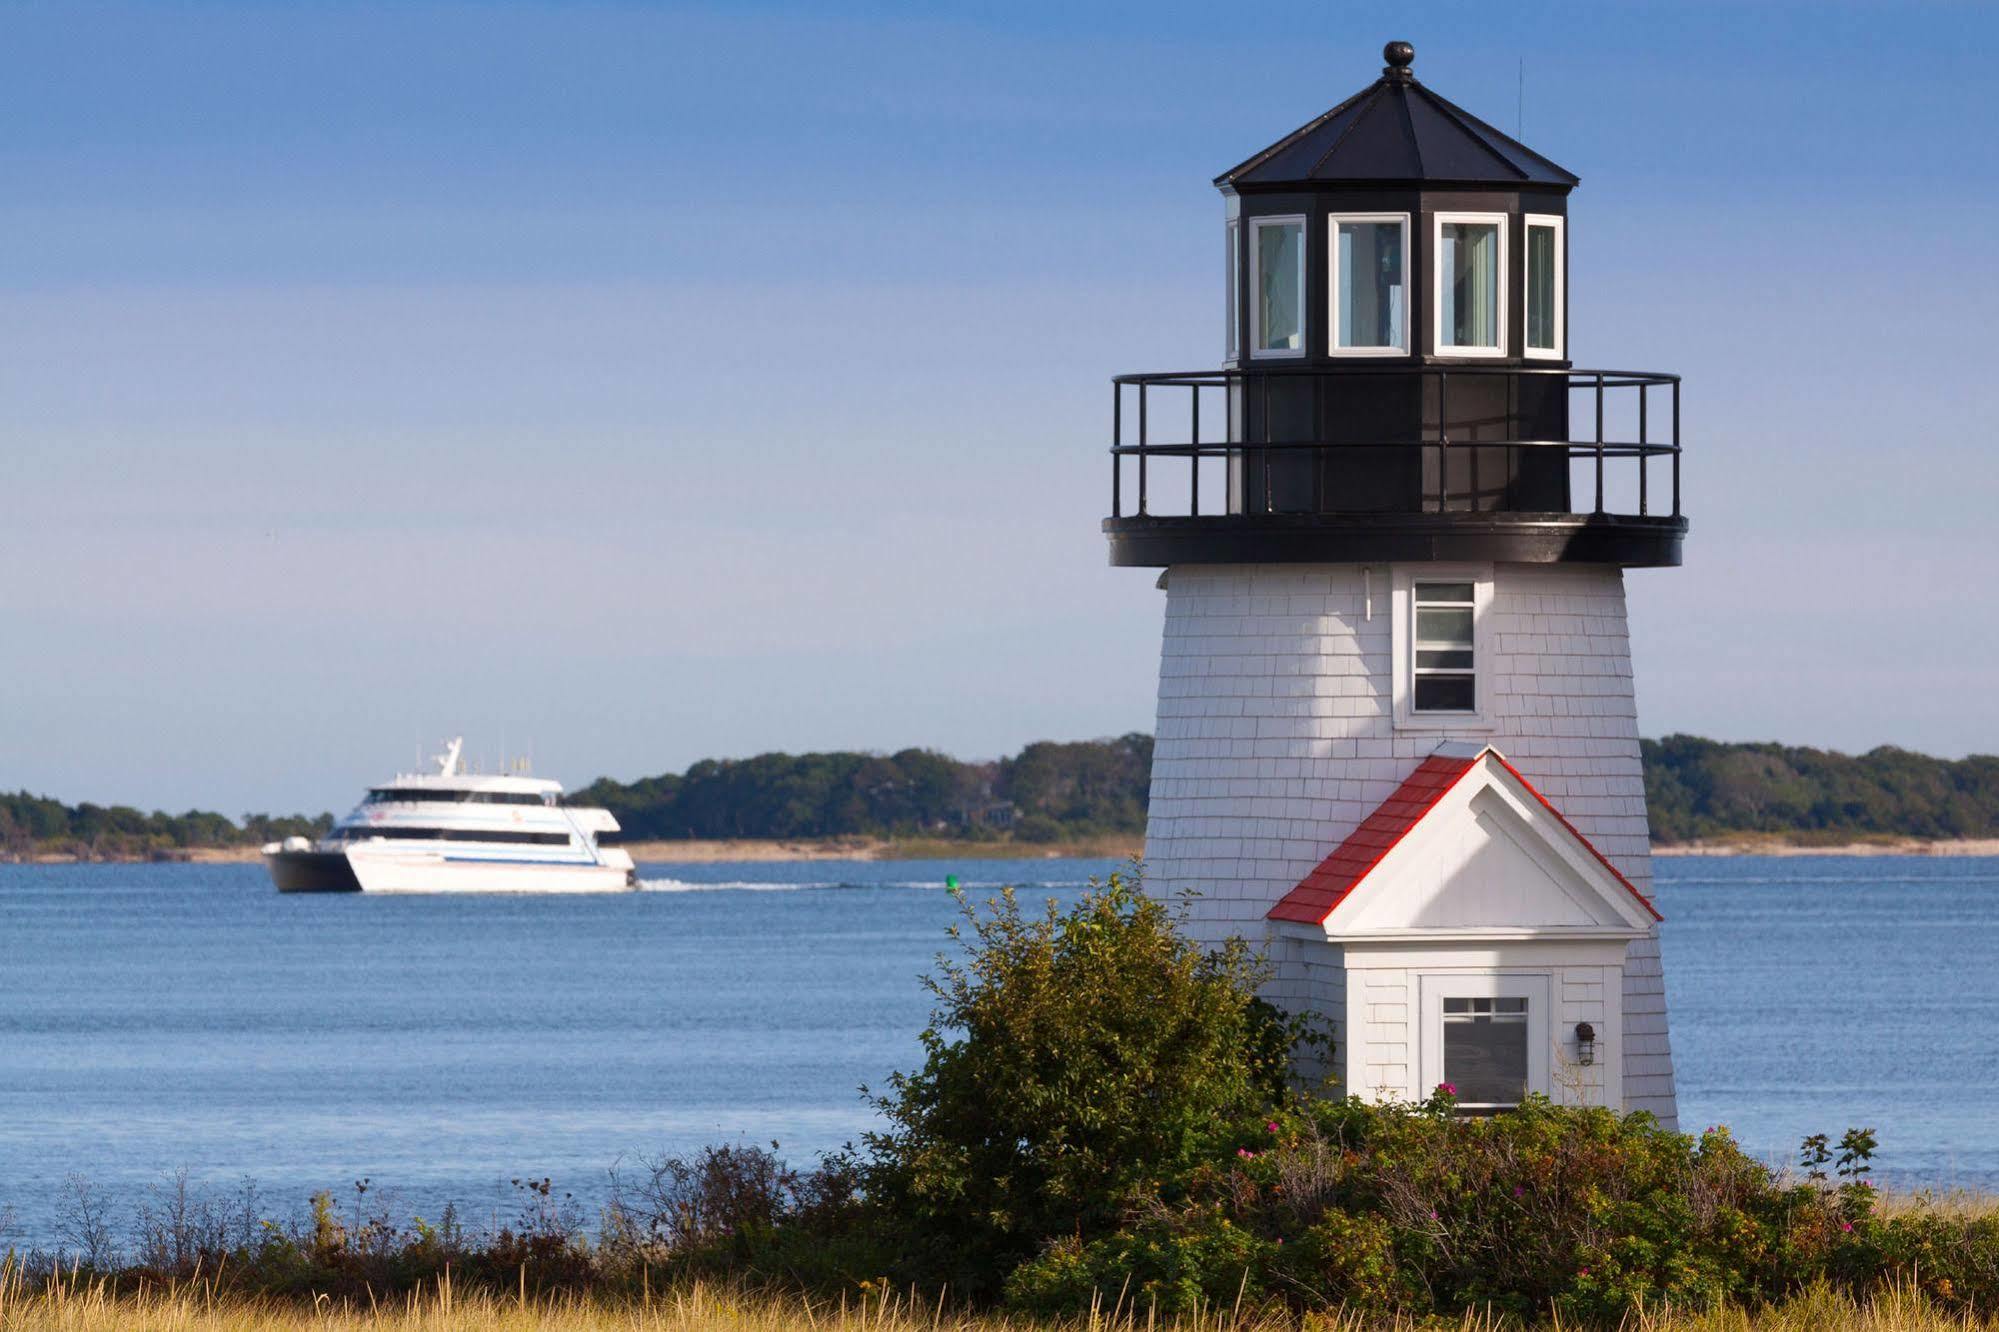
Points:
[(447, 762)]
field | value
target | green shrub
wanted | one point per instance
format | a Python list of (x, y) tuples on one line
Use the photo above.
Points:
[(1417, 1210), (1345, 1261), (1078, 1065), (1180, 1265), (1954, 1260)]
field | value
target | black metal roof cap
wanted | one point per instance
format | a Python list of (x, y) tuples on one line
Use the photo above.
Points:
[(1397, 131)]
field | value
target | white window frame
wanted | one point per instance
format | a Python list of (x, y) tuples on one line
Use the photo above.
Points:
[(1402, 635), (1536, 987), (1333, 221), (1233, 283), (1437, 285), (1255, 293), (1558, 225)]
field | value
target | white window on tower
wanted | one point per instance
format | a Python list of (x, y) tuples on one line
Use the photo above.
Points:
[(1370, 290), (1441, 647), (1545, 260), (1485, 1051), (1470, 305), (1277, 287), (1445, 665)]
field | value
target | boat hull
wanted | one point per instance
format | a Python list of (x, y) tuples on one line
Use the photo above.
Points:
[(428, 872), (311, 872)]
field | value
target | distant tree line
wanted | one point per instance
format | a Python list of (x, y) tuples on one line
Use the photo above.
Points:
[(32, 825), (1699, 788), (1045, 793), (1050, 792)]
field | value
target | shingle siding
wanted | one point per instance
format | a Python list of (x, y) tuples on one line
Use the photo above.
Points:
[(1276, 737)]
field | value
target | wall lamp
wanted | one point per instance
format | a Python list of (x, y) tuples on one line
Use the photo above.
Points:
[(1585, 1044)]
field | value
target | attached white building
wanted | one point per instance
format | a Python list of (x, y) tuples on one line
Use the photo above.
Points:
[(1466, 934)]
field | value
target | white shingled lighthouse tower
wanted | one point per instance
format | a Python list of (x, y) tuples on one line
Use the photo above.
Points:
[(1397, 735)]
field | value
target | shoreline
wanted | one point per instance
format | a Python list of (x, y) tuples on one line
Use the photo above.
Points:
[(703, 851), (799, 850), (1942, 848)]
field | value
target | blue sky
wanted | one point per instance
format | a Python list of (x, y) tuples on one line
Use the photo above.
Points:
[(642, 383)]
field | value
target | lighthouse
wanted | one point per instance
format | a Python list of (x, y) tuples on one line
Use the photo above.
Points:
[(1397, 738)]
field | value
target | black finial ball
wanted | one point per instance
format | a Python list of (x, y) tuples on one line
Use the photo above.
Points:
[(1399, 55)]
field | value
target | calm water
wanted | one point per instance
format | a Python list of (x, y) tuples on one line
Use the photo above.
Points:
[(155, 1017)]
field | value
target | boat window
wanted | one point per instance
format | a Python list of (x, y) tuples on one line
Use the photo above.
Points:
[(362, 834), (417, 795)]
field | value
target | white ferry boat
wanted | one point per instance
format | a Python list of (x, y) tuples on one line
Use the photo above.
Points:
[(454, 831)]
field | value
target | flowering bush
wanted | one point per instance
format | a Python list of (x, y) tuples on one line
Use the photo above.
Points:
[(1417, 1210)]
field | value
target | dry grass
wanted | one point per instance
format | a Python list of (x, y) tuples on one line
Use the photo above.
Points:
[(82, 1306), (1824, 1310), (1955, 1203), (87, 1307)]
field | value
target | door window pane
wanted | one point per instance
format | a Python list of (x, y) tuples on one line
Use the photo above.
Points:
[(1372, 295), (1280, 286), (1485, 1050), (1468, 278), (1542, 256)]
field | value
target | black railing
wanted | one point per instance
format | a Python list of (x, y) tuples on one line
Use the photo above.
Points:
[(1395, 439)]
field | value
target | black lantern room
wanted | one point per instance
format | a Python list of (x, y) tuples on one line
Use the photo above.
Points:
[(1396, 381)]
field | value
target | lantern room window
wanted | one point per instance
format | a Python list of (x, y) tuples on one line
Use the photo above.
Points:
[(1277, 286), (1471, 284), (1544, 286), (1233, 283), (1370, 289)]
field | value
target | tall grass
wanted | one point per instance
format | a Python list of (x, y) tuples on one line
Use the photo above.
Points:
[(204, 1305)]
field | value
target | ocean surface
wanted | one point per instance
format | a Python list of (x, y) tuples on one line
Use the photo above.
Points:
[(155, 1018)]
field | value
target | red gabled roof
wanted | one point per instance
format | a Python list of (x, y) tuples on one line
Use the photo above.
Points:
[(1315, 897), (1322, 890)]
